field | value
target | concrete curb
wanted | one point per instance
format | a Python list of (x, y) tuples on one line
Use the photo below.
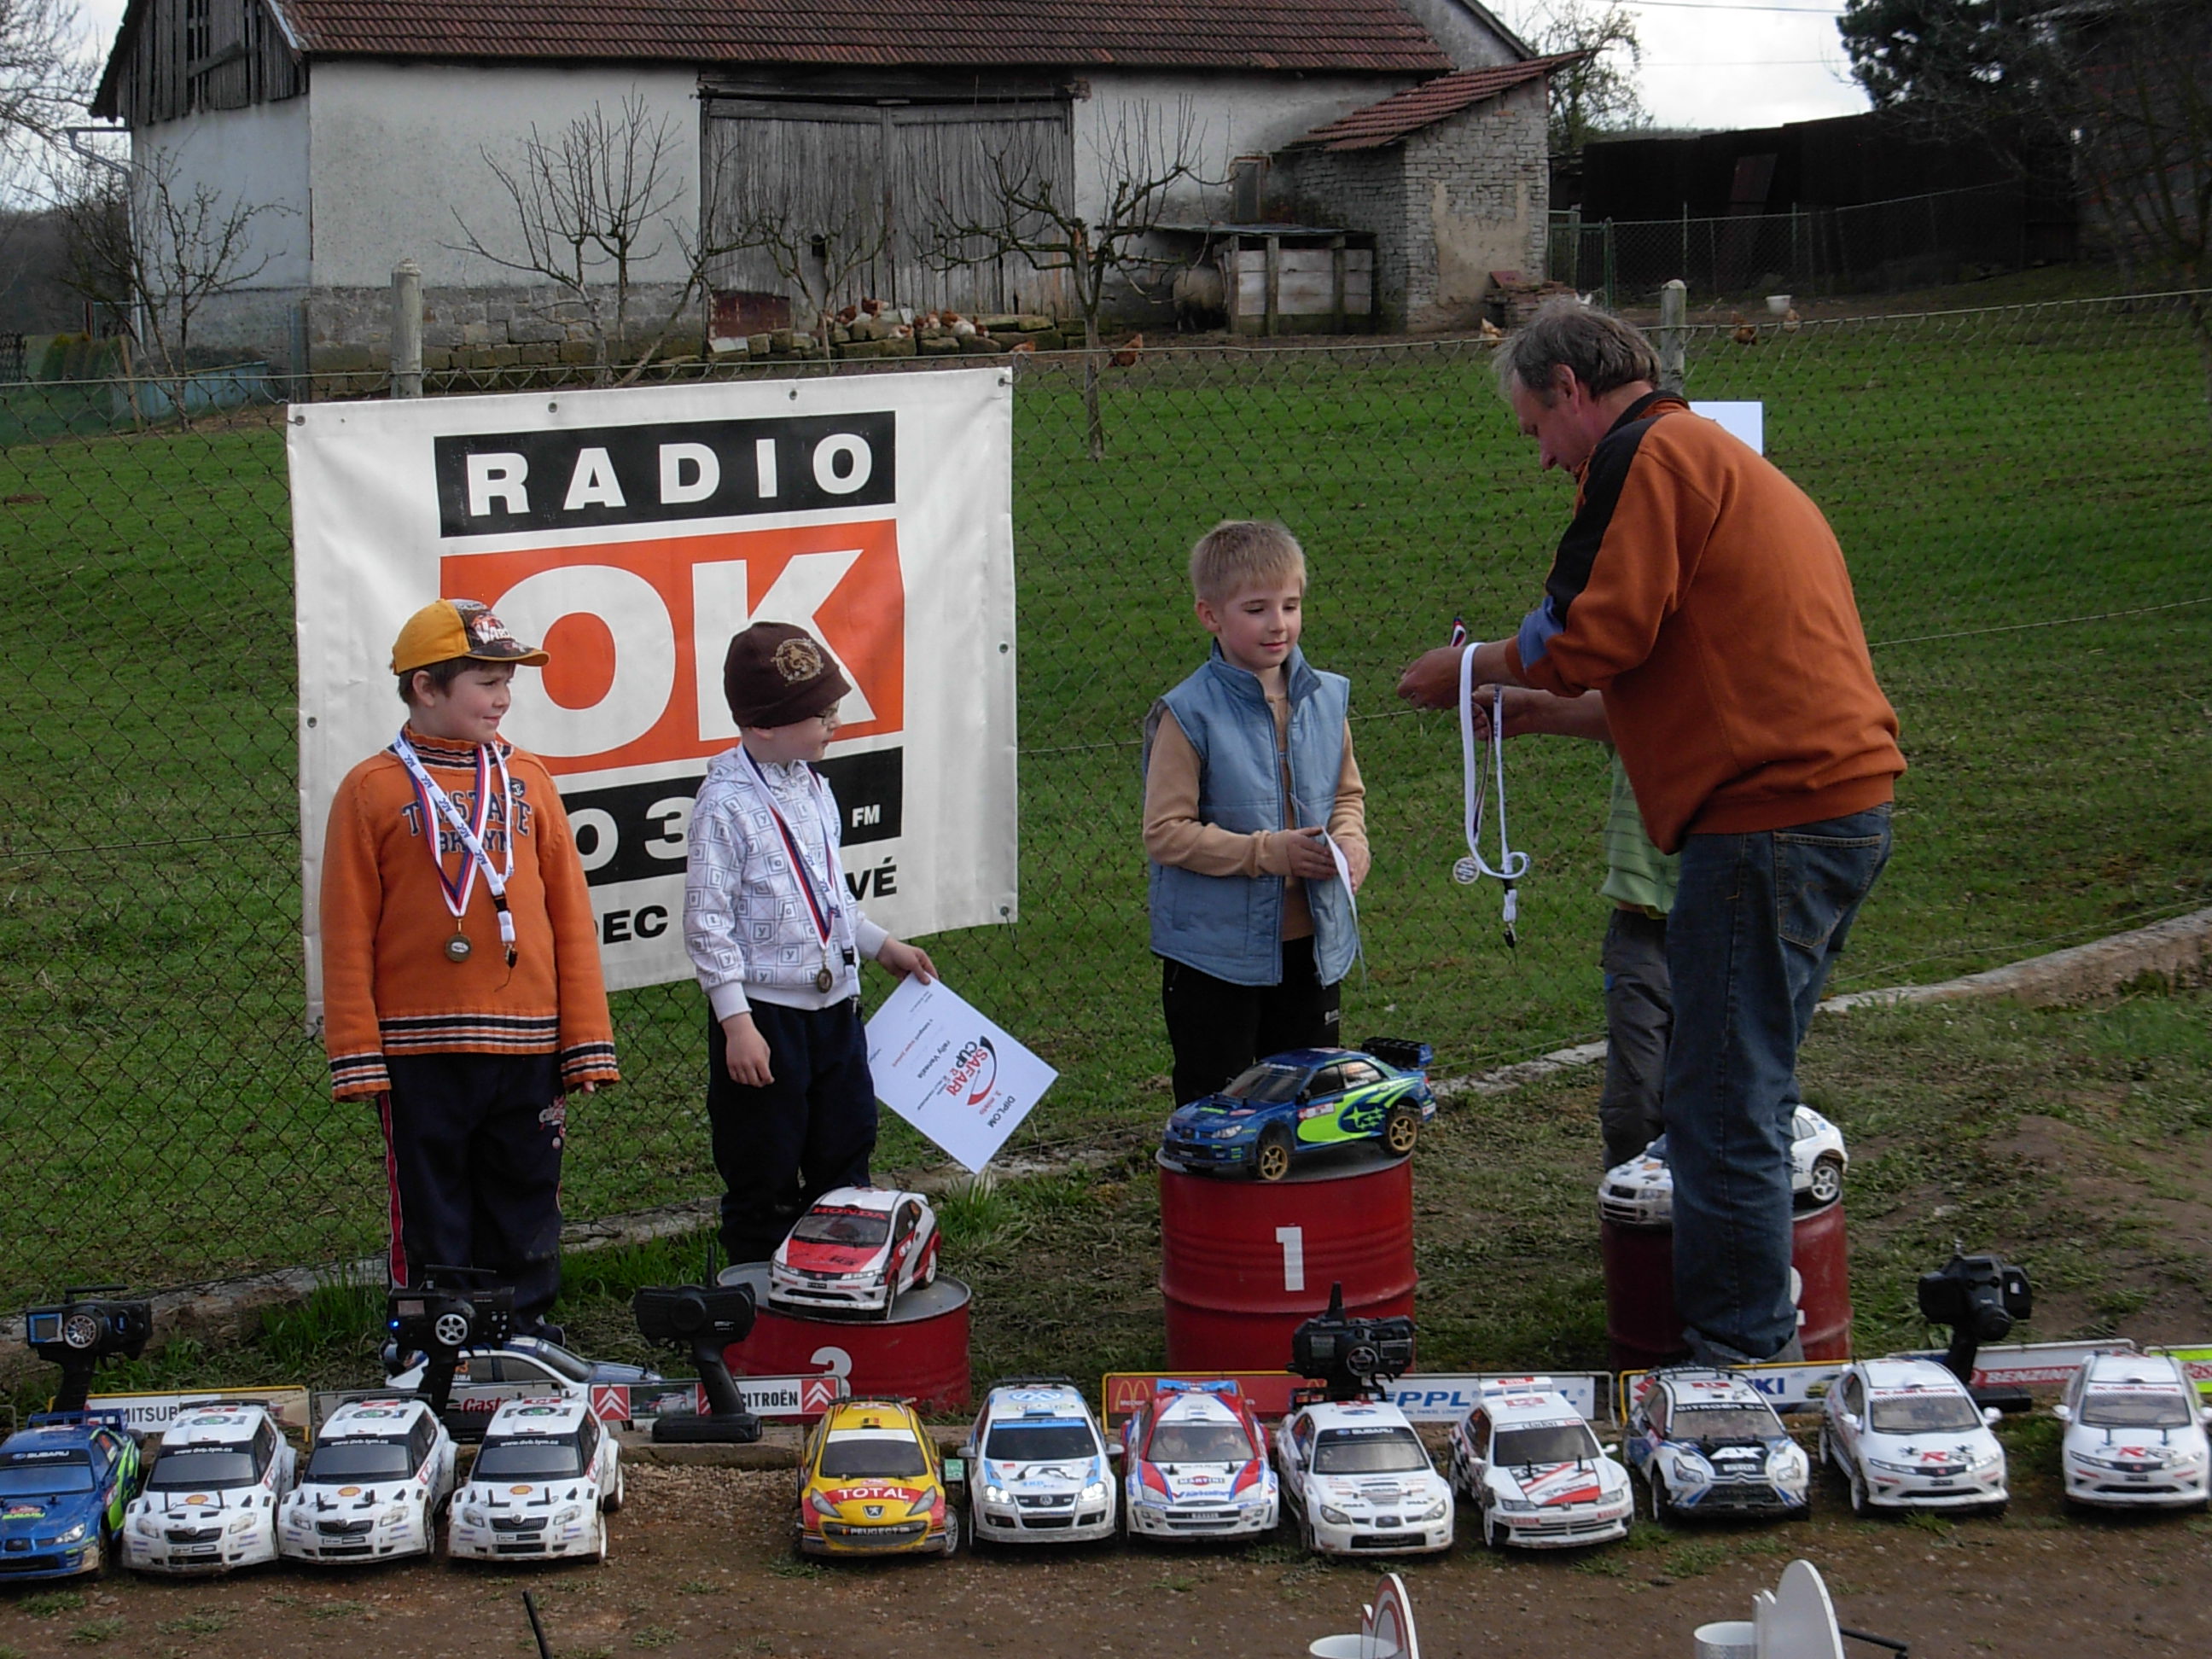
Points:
[(2177, 950)]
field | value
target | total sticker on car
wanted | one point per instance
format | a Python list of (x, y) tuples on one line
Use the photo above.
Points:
[(874, 1494)]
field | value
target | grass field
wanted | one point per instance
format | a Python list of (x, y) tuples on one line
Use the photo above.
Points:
[(2025, 495), (2075, 1143)]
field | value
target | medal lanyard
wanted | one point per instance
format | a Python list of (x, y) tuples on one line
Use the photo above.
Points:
[(823, 909), (1511, 866), (437, 804)]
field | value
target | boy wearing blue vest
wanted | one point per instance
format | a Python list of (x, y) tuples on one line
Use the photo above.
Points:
[(1248, 779)]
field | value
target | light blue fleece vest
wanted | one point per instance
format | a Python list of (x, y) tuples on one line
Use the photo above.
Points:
[(1231, 927)]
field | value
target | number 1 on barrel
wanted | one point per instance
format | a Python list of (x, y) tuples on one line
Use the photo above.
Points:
[(1294, 1241)]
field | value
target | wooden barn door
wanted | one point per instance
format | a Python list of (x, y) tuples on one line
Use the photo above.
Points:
[(862, 172)]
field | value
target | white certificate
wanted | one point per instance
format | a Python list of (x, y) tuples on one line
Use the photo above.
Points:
[(950, 1073)]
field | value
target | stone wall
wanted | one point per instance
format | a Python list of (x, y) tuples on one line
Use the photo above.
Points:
[(1352, 190)]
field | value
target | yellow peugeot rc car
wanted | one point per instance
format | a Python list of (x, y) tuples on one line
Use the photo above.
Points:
[(870, 1483)]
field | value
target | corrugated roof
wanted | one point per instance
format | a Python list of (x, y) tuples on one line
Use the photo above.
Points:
[(1248, 34), (1404, 113)]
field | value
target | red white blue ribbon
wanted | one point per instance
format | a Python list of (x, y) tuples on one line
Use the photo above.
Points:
[(436, 803)]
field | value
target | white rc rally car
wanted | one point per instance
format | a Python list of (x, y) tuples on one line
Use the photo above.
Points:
[(1038, 1467), (2134, 1434), (209, 1501), (1528, 1462), (543, 1477), (1707, 1443), (855, 1251), (1905, 1434), (1360, 1482), (1641, 1192), (1195, 1465), (380, 1473)]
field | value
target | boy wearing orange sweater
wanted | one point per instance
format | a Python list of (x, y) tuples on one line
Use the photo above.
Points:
[(461, 982)]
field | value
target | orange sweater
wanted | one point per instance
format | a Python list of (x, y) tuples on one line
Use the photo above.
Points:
[(388, 986), (1704, 595)]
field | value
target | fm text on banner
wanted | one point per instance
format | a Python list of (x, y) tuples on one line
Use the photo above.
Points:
[(633, 531)]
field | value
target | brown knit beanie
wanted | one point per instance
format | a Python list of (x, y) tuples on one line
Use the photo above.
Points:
[(777, 675)]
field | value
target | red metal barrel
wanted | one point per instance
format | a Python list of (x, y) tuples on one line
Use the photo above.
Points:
[(1244, 1263), (1640, 1322), (920, 1353)]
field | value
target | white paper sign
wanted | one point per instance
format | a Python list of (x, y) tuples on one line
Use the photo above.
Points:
[(633, 531), (1745, 422), (954, 1075)]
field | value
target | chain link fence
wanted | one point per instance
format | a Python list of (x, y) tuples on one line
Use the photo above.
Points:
[(2026, 497), (1869, 248)]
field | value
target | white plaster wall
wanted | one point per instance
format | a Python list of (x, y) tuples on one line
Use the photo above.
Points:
[(1232, 115), (254, 157), (397, 149)]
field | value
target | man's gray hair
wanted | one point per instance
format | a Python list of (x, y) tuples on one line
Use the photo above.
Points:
[(1604, 352)]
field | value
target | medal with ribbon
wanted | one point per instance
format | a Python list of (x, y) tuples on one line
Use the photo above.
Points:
[(823, 908), (437, 804)]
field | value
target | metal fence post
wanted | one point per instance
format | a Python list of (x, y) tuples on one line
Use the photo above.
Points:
[(1674, 343), (406, 329)]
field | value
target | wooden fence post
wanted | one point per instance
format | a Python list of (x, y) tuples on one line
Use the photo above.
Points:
[(406, 329), (1674, 345)]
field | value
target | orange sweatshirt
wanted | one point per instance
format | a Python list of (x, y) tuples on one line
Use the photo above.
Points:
[(1704, 595), (389, 987)]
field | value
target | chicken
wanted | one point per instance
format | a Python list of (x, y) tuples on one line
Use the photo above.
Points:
[(1790, 321), (1744, 333), (1126, 356), (849, 314), (962, 328), (1490, 332), (1023, 345), (871, 306)]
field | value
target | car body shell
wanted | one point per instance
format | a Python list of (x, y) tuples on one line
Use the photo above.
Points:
[(1746, 1468), (890, 1247), (1640, 1193), (1570, 1494), (1057, 1484), (1905, 1435), (337, 1518), (226, 1518), (1168, 1494), (1319, 1097), (1342, 1509), (65, 1480), (2135, 1435), (545, 1479), (870, 1483), (525, 1368)]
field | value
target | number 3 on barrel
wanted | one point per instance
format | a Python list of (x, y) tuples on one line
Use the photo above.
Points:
[(1294, 1241)]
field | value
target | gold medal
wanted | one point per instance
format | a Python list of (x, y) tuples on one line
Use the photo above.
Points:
[(823, 979), (457, 948)]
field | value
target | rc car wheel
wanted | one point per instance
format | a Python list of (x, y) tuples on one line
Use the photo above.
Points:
[(1306, 1535), (1401, 1129), (1271, 1160), (612, 1502), (1492, 1537), (600, 1556), (1662, 1502), (1827, 1184), (890, 1300), (951, 1545), (110, 1551), (1860, 1503)]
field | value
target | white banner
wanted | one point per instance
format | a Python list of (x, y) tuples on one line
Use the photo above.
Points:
[(633, 532)]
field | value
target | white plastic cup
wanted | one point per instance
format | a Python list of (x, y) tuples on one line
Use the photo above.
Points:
[(1777, 303), (1729, 1639), (1336, 1647)]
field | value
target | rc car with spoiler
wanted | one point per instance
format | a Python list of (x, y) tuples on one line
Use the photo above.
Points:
[(1195, 1465), (65, 1480), (1305, 1101)]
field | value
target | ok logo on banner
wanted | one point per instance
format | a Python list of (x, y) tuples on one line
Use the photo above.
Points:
[(637, 630)]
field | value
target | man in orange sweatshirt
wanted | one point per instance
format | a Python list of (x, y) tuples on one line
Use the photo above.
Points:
[(1706, 597), (461, 982)]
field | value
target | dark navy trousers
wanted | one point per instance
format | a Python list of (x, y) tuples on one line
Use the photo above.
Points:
[(812, 1128), (472, 1154)]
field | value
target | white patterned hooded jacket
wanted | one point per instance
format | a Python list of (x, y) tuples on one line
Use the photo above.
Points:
[(747, 924)]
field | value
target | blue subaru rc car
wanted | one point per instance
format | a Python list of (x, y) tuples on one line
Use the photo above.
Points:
[(64, 1481), (1303, 1101)]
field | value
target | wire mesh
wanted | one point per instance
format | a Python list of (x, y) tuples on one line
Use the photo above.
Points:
[(2024, 495)]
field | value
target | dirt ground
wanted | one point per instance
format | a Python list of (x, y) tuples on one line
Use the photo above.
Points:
[(700, 1566)]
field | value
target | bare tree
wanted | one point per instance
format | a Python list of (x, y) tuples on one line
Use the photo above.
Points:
[(44, 75), (592, 205), (1033, 212), (1596, 92), (143, 239), (818, 250)]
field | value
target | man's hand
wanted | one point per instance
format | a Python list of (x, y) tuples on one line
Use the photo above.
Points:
[(1432, 679), (1528, 711), (903, 959), (747, 1052), (1307, 854)]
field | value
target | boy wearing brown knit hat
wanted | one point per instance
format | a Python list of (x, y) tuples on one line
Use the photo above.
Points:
[(776, 939)]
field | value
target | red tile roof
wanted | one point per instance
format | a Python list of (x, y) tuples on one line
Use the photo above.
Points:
[(1246, 34), (1402, 114)]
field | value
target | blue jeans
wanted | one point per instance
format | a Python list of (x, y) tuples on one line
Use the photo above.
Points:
[(1757, 919)]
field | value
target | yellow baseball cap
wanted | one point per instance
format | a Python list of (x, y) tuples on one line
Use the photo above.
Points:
[(459, 628)]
